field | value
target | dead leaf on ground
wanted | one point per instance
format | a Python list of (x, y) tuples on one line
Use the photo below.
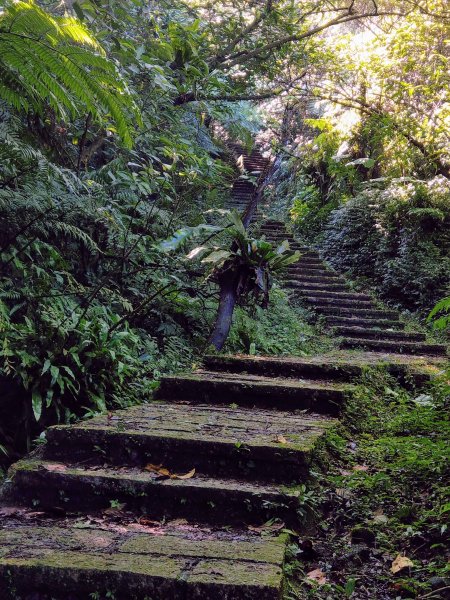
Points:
[(163, 472), (281, 439), (344, 472), (379, 516), (318, 576), (360, 468), (267, 527), (400, 563)]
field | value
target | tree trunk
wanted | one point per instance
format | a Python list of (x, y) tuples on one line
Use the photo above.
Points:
[(228, 298)]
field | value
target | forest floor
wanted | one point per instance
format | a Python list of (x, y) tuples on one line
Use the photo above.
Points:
[(382, 499)]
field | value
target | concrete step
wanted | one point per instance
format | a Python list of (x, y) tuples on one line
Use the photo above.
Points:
[(311, 261), (397, 347), (361, 313), (75, 487), (313, 288), (338, 295), (186, 436), (381, 334), (293, 277), (322, 369), (250, 390), (338, 365), (348, 321), (320, 302), (311, 272), (69, 558)]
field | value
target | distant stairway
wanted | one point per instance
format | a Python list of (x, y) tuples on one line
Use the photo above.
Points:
[(253, 167), (354, 316)]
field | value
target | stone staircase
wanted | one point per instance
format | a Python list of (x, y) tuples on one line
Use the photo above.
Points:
[(186, 496), (165, 500), (253, 165), (359, 321)]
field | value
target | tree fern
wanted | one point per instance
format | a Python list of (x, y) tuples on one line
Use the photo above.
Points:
[(48, 61)]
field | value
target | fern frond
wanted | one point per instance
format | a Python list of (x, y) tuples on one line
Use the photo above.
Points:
[(55, 61)]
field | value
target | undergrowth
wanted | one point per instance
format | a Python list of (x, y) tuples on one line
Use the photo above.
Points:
[(384, 496), (281, 330)]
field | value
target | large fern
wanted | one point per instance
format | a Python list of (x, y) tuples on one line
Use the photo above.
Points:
[(50, 61)]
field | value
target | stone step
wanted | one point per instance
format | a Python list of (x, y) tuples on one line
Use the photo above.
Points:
[(72, 559), (82, 487), (327, 280), (363, 313), (397, 346), (382, 334), (299, 368), (312, 288), (365, 323), (207, 438), (311, 272), (312, 261), (320, 302), (221, 388), (338, 365), (300, 267), (333, 295)]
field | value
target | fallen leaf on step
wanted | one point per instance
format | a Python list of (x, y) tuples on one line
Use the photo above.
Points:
[(163, 472), (400, 563), (317, 576), (188, 475), (281, 439), (159, 469)]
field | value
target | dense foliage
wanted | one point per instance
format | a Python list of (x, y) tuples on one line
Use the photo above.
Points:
[(365, 164), (114, 118)]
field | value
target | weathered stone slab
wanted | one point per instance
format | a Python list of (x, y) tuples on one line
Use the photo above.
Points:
[(75, 560), (216, 440), (207, 386), (75, 487)]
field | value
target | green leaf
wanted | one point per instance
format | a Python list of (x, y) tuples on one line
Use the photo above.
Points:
[(36, 401)]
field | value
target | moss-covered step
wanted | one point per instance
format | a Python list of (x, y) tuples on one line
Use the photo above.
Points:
[(322, 273), (327, 280), (310, 261), (210, 387), (338, 302), (331, 295), (214, 440), (311, 270), (349, 321), (395, 346), (317, 367), (341, 365), (81, 487), (361, 313), (76, 559), (312, 287), (382, 334)]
